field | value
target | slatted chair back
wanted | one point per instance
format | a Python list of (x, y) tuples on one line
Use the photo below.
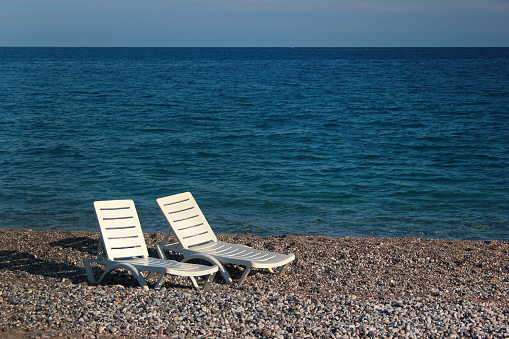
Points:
[(186, 220), (121, 231)]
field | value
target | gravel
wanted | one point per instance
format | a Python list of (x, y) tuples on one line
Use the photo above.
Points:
[(336, 288)]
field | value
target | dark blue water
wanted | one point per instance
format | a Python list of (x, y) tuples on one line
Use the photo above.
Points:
[(340, 142)]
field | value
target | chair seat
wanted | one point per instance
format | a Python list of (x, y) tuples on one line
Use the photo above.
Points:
[(167, 266), (243, 255)]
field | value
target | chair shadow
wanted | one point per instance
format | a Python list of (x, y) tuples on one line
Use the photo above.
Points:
[(82, 244), (17, 262)]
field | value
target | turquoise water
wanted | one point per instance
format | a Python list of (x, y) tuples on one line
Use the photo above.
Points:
[(336, 141)]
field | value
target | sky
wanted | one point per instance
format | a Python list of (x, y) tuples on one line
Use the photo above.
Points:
[(254, 23)]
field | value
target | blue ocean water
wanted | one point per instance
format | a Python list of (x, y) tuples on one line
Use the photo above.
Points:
[(385, 142)]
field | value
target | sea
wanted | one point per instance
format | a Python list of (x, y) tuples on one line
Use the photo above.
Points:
[(360, 142)]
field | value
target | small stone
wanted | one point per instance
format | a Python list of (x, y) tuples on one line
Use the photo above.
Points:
[(170, 329)]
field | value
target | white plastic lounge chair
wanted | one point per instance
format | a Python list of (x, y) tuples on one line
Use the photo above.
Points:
[(122, 246), (195, 237)]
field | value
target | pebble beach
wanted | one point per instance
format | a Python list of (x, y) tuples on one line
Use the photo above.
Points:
[(336, 288)]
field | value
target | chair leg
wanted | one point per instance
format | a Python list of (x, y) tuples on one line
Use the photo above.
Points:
[(195, 283), (282, 270), (131, 269), (88, 270), (244, 275), (160, 281), (208, 282), (160, 252), (225, 274), (213, 261)]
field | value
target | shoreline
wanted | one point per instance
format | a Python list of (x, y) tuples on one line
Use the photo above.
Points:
[(336, 287)]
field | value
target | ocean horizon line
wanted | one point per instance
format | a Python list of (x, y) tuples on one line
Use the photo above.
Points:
[(276, 47)]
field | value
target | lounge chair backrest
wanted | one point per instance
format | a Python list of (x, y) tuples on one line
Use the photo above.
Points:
[(121, 231), (186, 219)]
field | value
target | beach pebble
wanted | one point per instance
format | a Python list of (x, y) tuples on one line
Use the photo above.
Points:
[(326, 294)]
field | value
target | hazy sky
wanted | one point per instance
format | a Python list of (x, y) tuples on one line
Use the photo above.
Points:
[(285, 23)]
